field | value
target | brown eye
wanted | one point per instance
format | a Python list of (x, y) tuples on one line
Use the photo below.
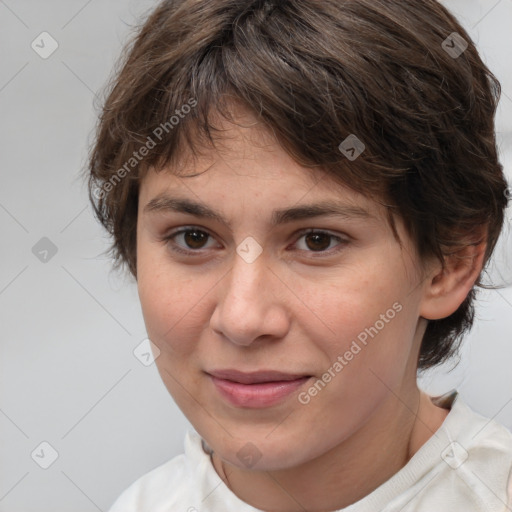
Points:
[(195, 239), (318, 241), (188, 241)]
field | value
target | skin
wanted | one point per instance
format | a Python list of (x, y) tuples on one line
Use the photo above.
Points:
[(291, 311)]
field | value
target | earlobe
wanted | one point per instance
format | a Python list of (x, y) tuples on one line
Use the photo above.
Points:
[(446, 289)]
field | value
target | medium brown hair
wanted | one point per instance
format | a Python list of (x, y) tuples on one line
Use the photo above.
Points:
[(315, 72)]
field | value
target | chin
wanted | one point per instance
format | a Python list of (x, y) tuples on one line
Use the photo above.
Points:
[(261, 455)]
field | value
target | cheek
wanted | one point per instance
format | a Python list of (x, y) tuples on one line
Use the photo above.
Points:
[(349, 303), (173, 304), (366, 318)]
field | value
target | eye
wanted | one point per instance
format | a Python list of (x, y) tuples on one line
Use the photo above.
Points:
[(193, 240), (320, 241)]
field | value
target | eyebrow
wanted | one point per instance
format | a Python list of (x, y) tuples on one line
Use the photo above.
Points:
[(165, 203)]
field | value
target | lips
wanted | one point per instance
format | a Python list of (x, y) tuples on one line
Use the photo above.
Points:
[(255, 377), (256, 389)]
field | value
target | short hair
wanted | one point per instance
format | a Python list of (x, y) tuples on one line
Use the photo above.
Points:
[(402, 76)]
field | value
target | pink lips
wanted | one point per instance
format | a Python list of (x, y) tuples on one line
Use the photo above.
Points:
[(256, 389)]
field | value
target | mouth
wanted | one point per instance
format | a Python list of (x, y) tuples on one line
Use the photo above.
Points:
[(256, 389)]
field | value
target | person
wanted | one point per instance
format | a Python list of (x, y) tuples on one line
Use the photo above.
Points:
[(307, 194)]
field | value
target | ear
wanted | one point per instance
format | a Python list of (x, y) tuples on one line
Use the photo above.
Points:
[(445, 289)]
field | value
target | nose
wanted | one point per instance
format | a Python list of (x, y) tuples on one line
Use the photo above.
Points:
[(251, 304)]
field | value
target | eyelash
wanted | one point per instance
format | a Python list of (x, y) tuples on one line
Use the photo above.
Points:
[(318, 254)]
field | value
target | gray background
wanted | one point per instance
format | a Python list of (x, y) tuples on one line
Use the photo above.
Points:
[(68, 327)]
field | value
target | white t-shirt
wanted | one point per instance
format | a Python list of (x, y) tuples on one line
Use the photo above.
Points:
[(465, 467)]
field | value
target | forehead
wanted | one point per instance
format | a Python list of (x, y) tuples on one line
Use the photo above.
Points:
[(247, 163)]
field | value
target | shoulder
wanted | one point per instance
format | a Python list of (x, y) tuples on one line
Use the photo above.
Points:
[(168, 486), (488, 466), (475, 465)]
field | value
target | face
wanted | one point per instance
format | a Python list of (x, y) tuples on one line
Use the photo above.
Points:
[(317, 311)]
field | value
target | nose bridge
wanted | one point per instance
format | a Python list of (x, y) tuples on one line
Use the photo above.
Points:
[(249, 271), (246, 285), (248, 308)]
